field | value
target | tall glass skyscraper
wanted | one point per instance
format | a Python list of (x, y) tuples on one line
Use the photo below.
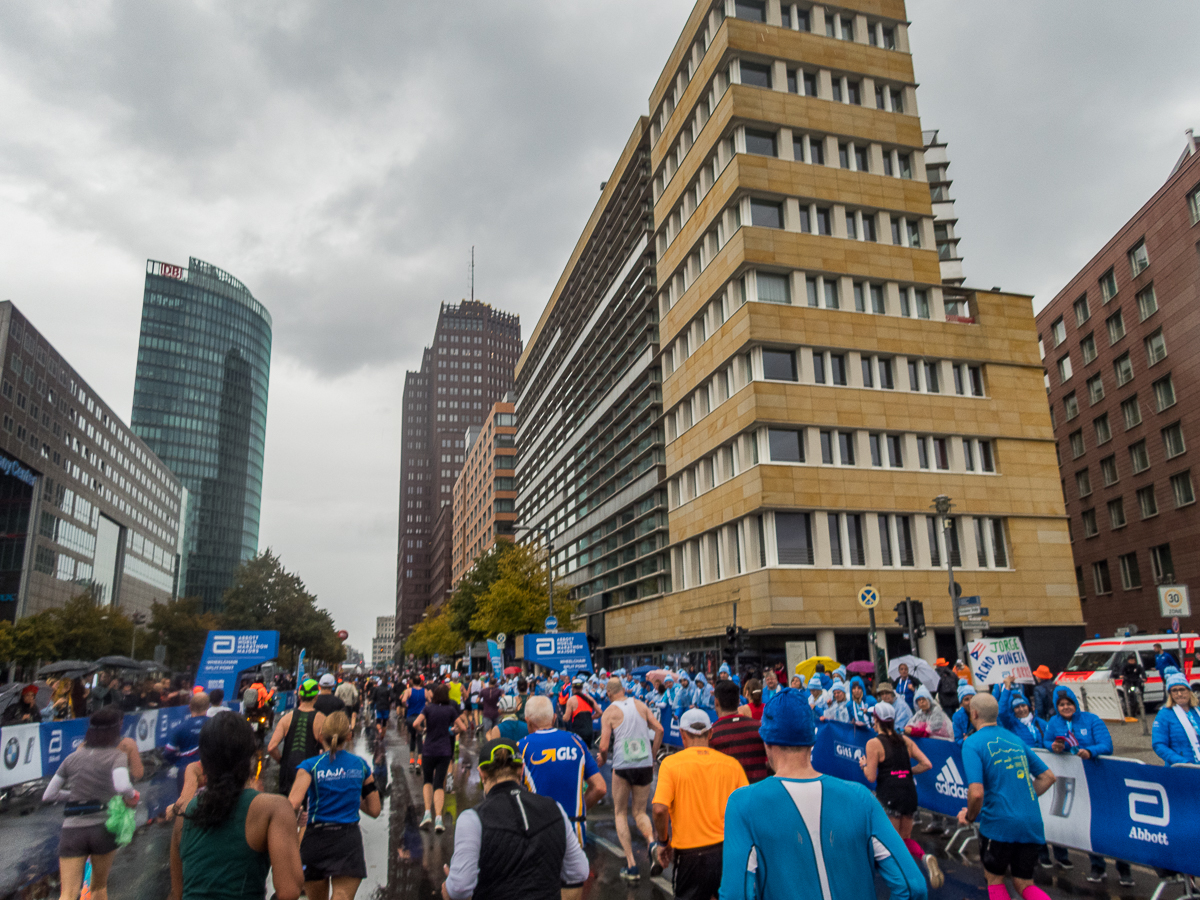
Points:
[(200, 403)]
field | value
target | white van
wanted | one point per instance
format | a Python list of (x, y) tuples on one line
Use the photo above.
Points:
[(1094, 659)]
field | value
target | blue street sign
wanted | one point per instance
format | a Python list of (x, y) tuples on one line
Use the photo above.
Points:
[(551, 623)]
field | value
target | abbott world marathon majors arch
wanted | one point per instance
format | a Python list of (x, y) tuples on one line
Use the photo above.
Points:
[(229, 653)]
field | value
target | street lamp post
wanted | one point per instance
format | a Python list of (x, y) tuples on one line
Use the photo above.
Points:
[(942, 505), (548, 535)]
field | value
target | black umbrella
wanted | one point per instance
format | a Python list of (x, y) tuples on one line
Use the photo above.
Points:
[(72, 667), (119, 662)]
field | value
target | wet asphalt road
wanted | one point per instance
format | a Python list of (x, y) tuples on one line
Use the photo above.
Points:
[(405, 863)]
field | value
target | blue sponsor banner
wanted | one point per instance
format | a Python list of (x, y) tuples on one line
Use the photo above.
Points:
[(1119, 808), (226, 653), (59, 740), (567, 653), (496, 658), (670, 723)]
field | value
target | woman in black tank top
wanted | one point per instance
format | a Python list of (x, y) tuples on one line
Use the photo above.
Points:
[(582, 715), (888, 761)]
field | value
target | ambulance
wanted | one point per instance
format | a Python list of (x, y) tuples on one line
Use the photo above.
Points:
[(1095, 660)]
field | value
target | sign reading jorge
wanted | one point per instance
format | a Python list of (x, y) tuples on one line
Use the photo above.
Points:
[(226, 653)]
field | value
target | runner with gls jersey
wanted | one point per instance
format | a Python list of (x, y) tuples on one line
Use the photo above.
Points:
[(558, 765)]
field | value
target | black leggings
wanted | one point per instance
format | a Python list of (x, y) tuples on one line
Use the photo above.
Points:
[(414, 737), (434, 769)]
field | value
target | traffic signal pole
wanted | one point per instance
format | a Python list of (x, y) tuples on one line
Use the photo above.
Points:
[(912, 626)]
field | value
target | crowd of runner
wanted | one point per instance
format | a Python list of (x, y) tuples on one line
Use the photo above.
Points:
[(539, 745)]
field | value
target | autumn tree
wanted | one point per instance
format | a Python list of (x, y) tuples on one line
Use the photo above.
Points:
[(434, 636), (266, 597), (516, 601), (182, 626), (464, 602)]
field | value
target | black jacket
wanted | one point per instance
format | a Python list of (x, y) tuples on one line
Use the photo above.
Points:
[(524, 843)]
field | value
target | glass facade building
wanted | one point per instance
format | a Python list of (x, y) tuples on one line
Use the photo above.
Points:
[(200, 403)]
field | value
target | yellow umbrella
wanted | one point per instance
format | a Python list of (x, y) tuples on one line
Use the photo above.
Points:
[(808, 666)]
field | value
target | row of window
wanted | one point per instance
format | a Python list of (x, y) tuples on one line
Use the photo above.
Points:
[(833, 539), (1131, 408), (1161, 566), (1172, 438), (1182, 493), (1156, 351)]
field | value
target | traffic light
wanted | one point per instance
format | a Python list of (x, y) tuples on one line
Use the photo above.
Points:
[(731, 635), (918, 618), (902, 615)]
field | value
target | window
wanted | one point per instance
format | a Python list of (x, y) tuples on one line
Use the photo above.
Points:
[(793, 538), (1058, 331), (847, 28), (819, 367), (1173, 440), (1108, 285), (837, 368), (940, 455), (765, 214), (779, 365), (786, 445), (835, 539), (885, 540), (1138, 457), (1156, 348), (803, 19), (846, 447), (854, 537), (1116, 513), (1164, 393), (851, 229), (1108, 470), (1083, 483), (1103, 431), (1089, 523), (1100, 577), (868, 374), (1181, 489), (1088, 348), (1116, 327), (895, 449), (1077, 447), (876, 445), (1147, 303), (837, 87), (889, 38), (931, 378), (885, 375), (860, 159), (1139, 259), (1131, 578), (1070, 406), (761, 143), (1064, 369), (968, 455), (1147, 502), (1161, 564), (914, 375), (816, 146), (773, 288), (986, 462), (827, 447), (1123, 369), (935, 555), (756, 75), (904, 540), (751, 10), (897, 96), (1082, 313), (1095, 386), (923, 452), (914, 234), (844, 155), (1131, 412), (825, 227)]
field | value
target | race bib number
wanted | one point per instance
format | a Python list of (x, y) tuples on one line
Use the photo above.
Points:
[(635, 750)]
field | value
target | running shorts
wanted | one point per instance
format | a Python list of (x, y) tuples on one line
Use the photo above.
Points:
[(332, 851), (381, 715), (88, 840), (638, 777), (433, 770), (1001, 856), (697, 873)]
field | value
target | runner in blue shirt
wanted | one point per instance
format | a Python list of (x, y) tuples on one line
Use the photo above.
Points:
[(802, 835), (184, 746), (558, 765), (1005, 778), (338, 785)]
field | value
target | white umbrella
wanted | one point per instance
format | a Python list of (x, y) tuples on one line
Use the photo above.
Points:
[(917, 668)]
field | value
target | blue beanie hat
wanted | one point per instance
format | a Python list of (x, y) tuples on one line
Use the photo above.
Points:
[(787, 720), (1175, 679), (965, 690), (1170, 670)]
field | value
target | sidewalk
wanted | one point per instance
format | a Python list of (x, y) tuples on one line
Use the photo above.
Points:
[(1128, 741)]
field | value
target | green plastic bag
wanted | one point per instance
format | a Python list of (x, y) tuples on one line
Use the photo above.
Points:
[(121, 820)]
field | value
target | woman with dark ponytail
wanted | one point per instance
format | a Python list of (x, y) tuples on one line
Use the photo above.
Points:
[(338, 785), (231, 834)]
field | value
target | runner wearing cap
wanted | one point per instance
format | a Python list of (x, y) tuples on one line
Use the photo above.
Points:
[(694, 786), (1004, 779), (802, 835), (297, 736), (558, 764), (888, 761), (514, 843), (327, 701), (578, 713), (634, 734)]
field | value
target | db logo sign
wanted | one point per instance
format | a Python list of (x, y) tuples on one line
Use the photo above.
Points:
[(12, 753), (543, 646), (224, 644)]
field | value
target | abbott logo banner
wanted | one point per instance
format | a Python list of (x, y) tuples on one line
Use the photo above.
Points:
[(567, 653), (1148, 808), (224, 644), (229, 653)]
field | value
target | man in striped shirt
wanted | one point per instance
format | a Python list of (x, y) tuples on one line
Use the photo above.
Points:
[(737, 736)]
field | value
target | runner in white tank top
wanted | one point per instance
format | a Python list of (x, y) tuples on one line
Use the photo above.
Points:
[(632, 738)]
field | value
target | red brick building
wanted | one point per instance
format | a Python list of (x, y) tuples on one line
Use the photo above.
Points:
[(1121, 347), (485, 493)]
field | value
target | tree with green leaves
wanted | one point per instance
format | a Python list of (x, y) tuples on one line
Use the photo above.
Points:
[(464, 602), (7, 643), (35, 638), (183, 627), (265, 596), (434, 636), (516, 601), (88, 631)]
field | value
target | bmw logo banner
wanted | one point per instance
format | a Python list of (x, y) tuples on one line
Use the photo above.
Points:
[(22, 759)]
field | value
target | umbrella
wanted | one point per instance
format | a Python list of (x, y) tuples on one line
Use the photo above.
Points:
[(119, 662), (861, 667), (641, 670), (808, 666), (513, 670), (71, 667), (917, 668), (659, 675)]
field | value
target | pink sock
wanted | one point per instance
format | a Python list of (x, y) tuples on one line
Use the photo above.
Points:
[(1033, 892), (998, 892), (915, 849)]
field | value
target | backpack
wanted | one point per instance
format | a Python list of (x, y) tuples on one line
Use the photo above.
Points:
[(249, 699)]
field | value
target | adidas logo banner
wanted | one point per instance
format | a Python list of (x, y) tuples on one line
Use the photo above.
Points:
[(1112, 807)]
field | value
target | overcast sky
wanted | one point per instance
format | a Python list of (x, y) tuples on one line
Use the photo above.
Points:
[(342, 158)]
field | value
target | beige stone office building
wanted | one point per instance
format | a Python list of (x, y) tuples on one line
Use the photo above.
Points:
[(819, 389)]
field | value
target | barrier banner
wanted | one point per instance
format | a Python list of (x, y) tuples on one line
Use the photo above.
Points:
[(59, 740), (1113, 807), (226, 653), (142, 727), (670, 723), (496, 659), (22, 753)]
